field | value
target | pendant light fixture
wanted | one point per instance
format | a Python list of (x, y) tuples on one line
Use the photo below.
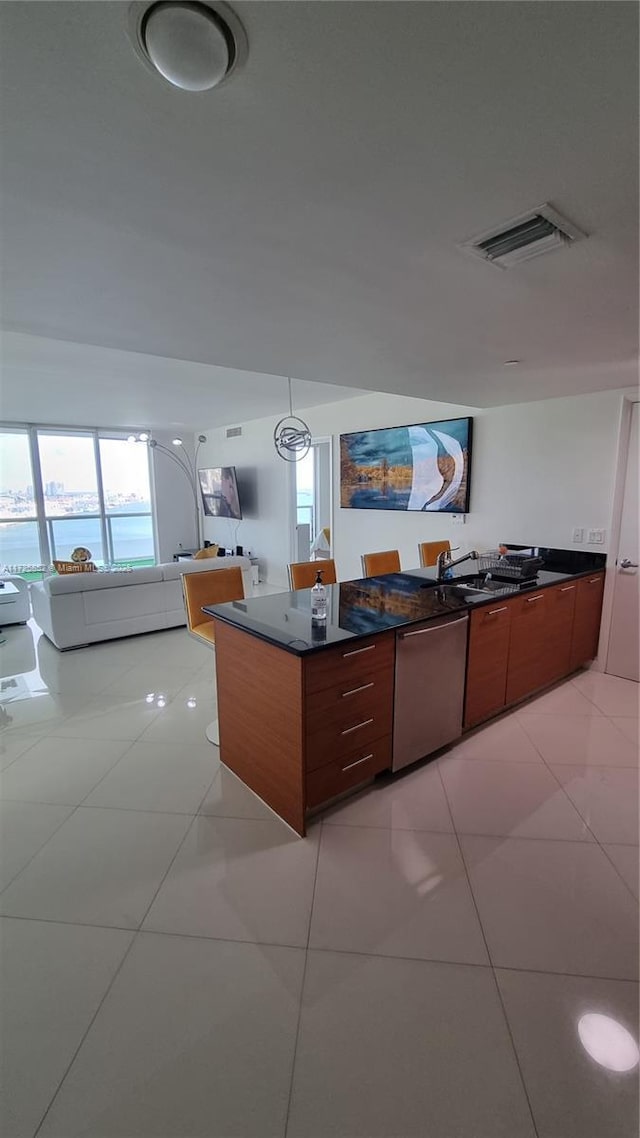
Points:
[(292, 437)]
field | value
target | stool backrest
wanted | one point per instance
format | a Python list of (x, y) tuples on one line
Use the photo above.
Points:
[(428, 551), (302, 574), (376, 564), (215, 587)]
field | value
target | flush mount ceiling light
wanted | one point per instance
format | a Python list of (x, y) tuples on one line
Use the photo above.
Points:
[(194, 46)]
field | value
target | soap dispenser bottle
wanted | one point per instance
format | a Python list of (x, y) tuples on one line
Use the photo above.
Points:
[(318, 599)]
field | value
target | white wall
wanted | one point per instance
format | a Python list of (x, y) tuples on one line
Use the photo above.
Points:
[(175, 507), (538, 470)]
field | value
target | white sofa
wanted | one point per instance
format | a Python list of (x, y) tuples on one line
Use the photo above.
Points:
[(77, 609)]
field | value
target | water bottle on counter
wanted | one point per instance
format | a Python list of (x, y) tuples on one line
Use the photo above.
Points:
[(318, 599)]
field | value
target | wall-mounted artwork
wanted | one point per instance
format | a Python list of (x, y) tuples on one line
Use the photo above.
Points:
[(423, 467)]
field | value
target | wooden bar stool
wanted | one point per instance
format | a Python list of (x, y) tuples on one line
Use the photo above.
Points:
[(215, 587)]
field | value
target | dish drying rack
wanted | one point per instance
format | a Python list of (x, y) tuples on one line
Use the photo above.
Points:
[(509, 566)]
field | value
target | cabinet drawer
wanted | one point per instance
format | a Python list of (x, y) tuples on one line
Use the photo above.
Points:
[(346, 665), (374, 690), (344, 773), (333, 740)]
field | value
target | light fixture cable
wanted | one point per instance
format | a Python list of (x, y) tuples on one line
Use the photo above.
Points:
[(188, 468)]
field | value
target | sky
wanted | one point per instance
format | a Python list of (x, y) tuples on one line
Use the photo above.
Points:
[(70, 460)]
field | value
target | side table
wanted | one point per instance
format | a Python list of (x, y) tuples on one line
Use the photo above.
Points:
[(8, 596)]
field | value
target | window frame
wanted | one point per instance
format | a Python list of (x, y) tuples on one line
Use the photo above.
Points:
[(43, 520)]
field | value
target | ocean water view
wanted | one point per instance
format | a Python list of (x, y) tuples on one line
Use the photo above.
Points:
[(132, 539)]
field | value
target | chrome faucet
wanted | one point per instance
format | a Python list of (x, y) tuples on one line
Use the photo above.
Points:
[(444, 562)]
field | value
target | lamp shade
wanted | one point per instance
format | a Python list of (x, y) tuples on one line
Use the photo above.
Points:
[(187, 44)]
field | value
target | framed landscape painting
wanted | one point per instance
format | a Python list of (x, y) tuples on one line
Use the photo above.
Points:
[(424, 467)]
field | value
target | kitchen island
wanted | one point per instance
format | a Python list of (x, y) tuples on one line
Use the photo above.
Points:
[(306, 711)]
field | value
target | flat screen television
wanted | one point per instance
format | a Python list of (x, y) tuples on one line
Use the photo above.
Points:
[(219, 488), (426, 466)]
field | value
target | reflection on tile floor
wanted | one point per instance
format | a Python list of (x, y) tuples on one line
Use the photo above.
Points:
[(451, 952)]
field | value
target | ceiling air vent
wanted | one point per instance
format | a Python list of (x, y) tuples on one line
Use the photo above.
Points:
[(539, 231), (233, 432)]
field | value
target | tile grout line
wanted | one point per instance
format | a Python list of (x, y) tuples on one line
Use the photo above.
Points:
[(134, 938), (491, 964), (302, 983), (25, 752), (320, 949), (596, 840), (86, 1032), (38, 851)]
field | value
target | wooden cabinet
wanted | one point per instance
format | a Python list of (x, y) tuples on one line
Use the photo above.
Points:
[(529, 642), (586, 625), (348, 771), (349, 707), (559, 615), (527, 645), (486, 687), (348, 665), (301, 730)]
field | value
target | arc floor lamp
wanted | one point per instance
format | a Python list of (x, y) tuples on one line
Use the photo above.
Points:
[(188, 467)]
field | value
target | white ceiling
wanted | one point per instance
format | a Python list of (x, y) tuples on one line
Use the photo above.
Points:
[(56, 381), (304, 218)]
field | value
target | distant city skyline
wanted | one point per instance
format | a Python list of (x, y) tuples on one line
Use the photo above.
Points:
[(70, 460)]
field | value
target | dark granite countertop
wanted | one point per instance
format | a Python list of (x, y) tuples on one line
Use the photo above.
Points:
[(377, 604)]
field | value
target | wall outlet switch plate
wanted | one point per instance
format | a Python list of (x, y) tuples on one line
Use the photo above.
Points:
[(458, 519), (595, 536), (578, 534)]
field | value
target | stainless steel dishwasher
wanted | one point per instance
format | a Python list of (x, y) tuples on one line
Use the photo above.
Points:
[(429, 696)]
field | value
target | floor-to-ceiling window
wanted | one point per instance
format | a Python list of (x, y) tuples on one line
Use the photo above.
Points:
[(127, 499), (19, 537), (60, 489)]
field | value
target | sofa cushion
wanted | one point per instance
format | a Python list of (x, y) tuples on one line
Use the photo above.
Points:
[(173, 570), (86, 582), (129, 603)]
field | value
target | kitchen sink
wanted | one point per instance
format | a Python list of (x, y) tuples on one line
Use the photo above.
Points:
[(476, 584), (471, 582)]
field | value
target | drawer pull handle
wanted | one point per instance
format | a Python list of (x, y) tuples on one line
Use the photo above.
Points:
[(594, 580), (348, 730), (354, 691), (539, 597), (567, 588), (494, 612), (421, 631), (357, 762), (357, 651)]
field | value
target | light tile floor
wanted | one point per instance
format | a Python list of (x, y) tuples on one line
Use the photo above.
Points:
[(176, 964)]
